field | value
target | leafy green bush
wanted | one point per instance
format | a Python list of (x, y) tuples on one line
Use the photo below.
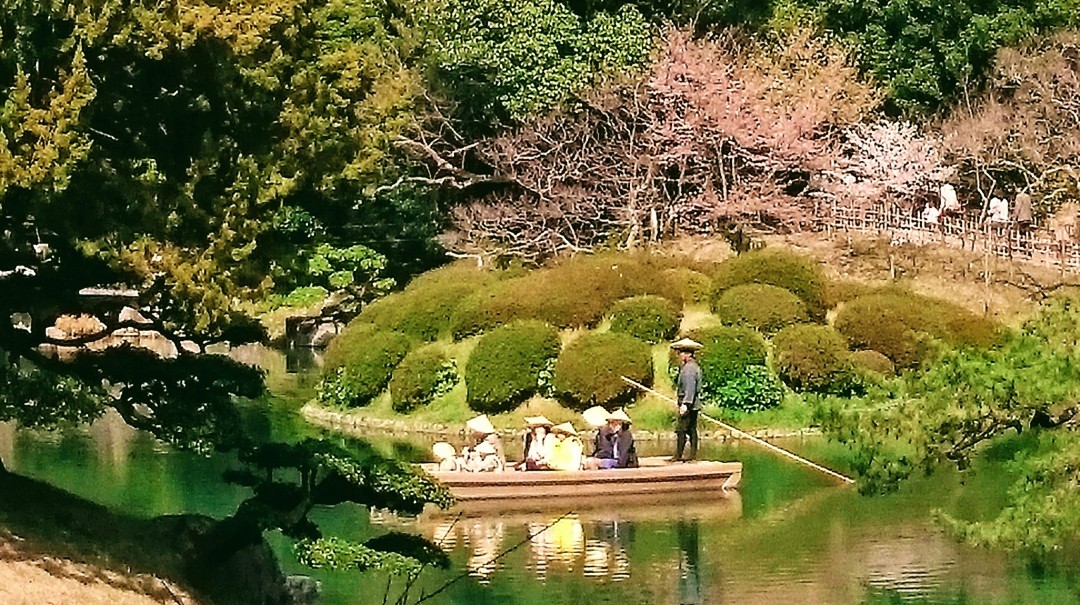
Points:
[(366, 358), (728, 351), (423, 375), (650, 318), (872, 361), (575, 292), (902, 326), (813, 358), (767, 308), (775, 267), (423, 309), (504, 368), (589, 370), (755, 389)]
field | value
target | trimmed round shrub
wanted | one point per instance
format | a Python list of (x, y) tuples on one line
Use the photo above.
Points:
[(650, 318), (359, 366), (694, 286), (576, 292), (775, 267), (422, 375), (504, 368), (903, 325), (756, 388), (767, 308), (588, 372), (813, 358), (873, 361), (727, 352), (424, 308)]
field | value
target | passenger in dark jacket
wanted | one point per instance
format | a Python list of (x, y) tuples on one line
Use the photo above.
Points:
[(615, 445), (603, 446)]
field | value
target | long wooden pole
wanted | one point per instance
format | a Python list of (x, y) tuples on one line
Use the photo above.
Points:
[(757, 440)]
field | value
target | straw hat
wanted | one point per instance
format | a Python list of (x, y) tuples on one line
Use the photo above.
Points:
[(532, 421), (619, 415), (686, 344), (485, 448), (481, 425), (565, 427), (443, 450), (595, 416)]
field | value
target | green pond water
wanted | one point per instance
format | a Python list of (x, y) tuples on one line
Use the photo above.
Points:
[(791, 535)]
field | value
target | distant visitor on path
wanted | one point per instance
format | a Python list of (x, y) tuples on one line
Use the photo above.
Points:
[(688, 402)]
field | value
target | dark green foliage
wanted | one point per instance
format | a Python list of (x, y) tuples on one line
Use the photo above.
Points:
[(775, 267), (755, 389), (901, 325), (873, 361), (589, 370), (651, 318), (359, 367), (504, 368), (926, 51), (728, 351), (424, 308), (574, 292), (813, 358), (694, 287), (423, 375), (767, 308)]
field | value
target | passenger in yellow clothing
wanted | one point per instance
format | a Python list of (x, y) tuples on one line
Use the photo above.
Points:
[(568, 452)]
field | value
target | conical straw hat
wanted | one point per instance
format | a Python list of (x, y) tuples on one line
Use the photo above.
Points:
[(619, 415), (686, 344), (481, 425), (565, 427), (537, 421), (595, 416), (443, 450), (485, 448)]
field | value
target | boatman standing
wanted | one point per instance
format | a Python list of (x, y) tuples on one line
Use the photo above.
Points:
[(689, 398)]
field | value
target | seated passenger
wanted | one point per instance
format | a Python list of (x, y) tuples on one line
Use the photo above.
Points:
[(538, 444), (615, 445), (447, 456), (483, 432), (483, 459), (568, 453)]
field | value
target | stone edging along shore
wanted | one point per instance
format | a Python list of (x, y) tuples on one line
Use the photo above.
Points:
[(357, 425)]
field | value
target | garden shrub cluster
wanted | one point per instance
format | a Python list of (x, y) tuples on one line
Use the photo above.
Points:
[(797, 274), (589, 370), (504, 368), (762, 306), (872, 361), (423, 375), (651, 318), (903, 325), (359, 366), (694, 287), (576, 292), (756, 388), (728, 351), (424, 308), (813, 358)]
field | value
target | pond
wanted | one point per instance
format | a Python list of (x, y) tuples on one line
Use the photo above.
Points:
[(791, 535)]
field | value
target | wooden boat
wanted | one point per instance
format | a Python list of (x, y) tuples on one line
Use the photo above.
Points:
[(656, 480)]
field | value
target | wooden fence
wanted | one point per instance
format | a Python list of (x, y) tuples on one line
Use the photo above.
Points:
[(1032, 243)]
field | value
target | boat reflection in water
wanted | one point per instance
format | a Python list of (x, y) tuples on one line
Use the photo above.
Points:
[(594, 543)]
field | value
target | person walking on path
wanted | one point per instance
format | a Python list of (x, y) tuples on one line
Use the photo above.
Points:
[(688, 400)]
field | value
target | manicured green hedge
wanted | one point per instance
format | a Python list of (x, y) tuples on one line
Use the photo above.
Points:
[(775, 267), (504, 368), (873, 361), (902, 326), (694, 286), (589, 370), (767, 308), (813, 358), (360, 360), (755, 388), (422, 376), (424, 308), (727, 353), (576, 292), (651, 318)]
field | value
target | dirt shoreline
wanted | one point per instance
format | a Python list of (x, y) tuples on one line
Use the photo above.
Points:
[(351, 424)]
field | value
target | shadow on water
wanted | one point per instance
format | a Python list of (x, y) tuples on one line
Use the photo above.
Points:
[(792, 535)]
